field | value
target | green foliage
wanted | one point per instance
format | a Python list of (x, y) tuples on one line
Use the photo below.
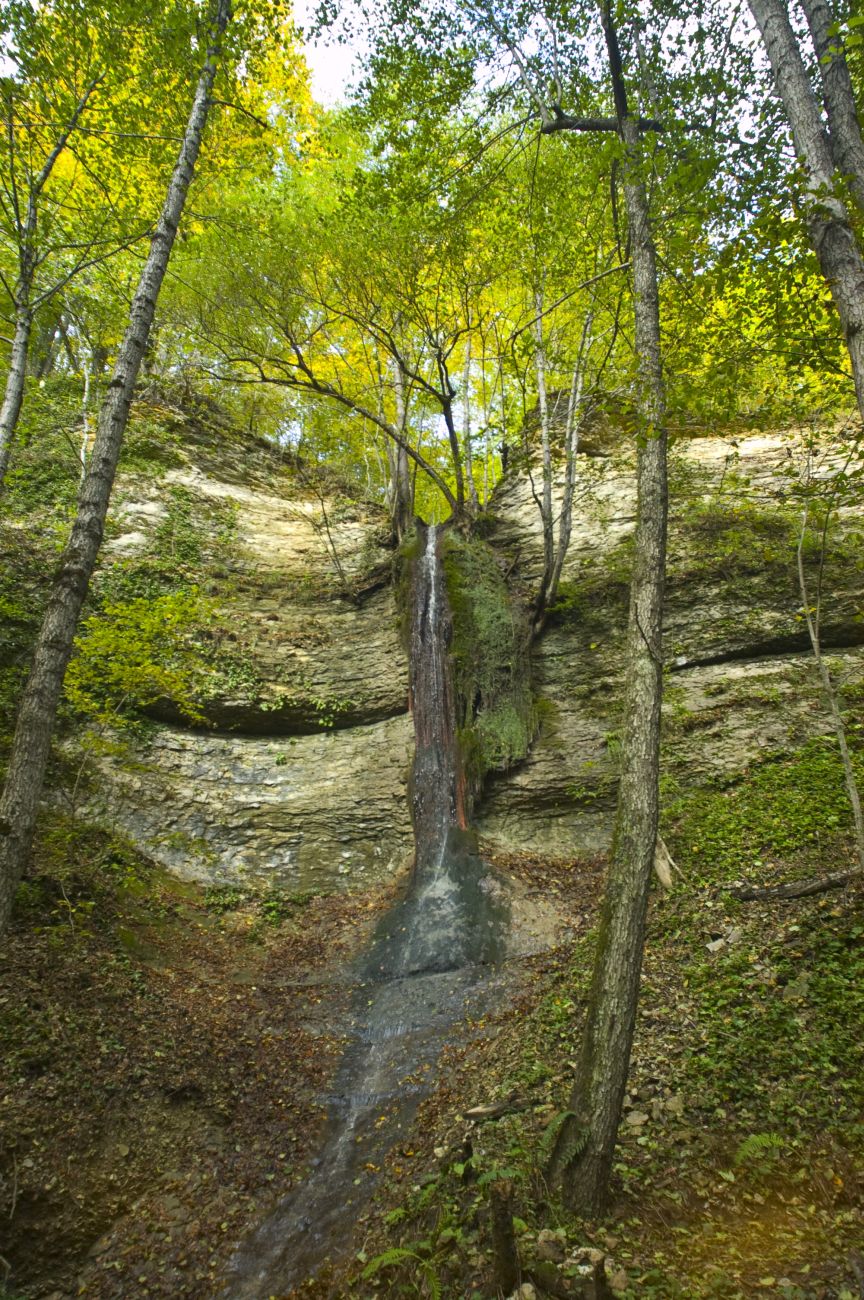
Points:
[(193, 531), (490, 651), (787, 1048), (759, 1149), (152, 443), (789, 806), (45, 468), (76, 869), (194, 537), (599, 595), (553, 1131), (273, 905), (139, 652), (224, 898), (414, 1266)]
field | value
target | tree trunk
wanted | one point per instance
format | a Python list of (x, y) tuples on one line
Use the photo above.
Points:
[(36, 717), (466, 431), (827, 219), (847, 145), (25, 231), (571, 447), (446, 398), (13, 396), (586, 1144), (830, 692), (504, 1252), (545, 499), (400, 491)]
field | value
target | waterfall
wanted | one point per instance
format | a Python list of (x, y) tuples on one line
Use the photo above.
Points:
[(427, 968), (435, 773)]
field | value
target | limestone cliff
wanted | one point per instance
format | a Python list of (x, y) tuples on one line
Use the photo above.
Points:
[(302, 781), (298, 778)]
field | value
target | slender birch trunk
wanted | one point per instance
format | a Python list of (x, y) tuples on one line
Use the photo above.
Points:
[(545, 500), (813, 617), (447, 393), (401, 494), (36, 717), (466, 431), (827, 219), (86, 430), (586, 1143), (571, 450), (13, 395), (847, 145), (26, 221)]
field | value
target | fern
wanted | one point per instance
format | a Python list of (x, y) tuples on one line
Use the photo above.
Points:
[(400, 1255), (758, 1145), (495, 1173), (549, 1137), (395, 1255), (433, 1283)]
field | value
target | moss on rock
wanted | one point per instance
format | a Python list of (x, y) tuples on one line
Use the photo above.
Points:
[(496, 715)]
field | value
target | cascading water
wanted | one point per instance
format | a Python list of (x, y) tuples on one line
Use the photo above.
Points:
[(427, 968)]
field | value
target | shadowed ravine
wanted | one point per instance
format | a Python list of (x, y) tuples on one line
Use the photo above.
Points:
[(430, 964)]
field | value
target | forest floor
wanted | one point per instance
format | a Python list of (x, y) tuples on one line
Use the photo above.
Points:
[(167, 1051), (739, 1167)]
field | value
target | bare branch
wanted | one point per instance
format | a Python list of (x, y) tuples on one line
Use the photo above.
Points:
[(562, 121)]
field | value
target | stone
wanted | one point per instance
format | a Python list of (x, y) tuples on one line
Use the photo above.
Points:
[(550, 1246), (289, 834), (742, 680), (275, 796)]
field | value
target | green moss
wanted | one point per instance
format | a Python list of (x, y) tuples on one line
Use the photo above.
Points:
[(597, 600), (791, 808), (496, 715)]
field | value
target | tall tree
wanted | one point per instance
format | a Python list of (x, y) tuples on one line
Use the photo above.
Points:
[(79, 157), (826, 216), (37, 713), (585, 1145), (847, 145), (23, 193)]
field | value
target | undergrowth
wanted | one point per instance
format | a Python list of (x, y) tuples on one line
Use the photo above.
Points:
[(737, 1170)]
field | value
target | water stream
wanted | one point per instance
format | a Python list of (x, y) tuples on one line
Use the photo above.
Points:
[(431, 963)]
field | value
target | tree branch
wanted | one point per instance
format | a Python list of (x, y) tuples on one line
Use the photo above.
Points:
[(563, 122)]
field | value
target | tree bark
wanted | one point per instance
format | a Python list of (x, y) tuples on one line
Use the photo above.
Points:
[(571, 448), (36, 718), (847, 145), (400, 493), (505, 1254), (813, 620), (13, 396), (795, 888), (827, 219), (25, 231), (586, 1143), (545, 499), (466, 431), (446, 396)]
